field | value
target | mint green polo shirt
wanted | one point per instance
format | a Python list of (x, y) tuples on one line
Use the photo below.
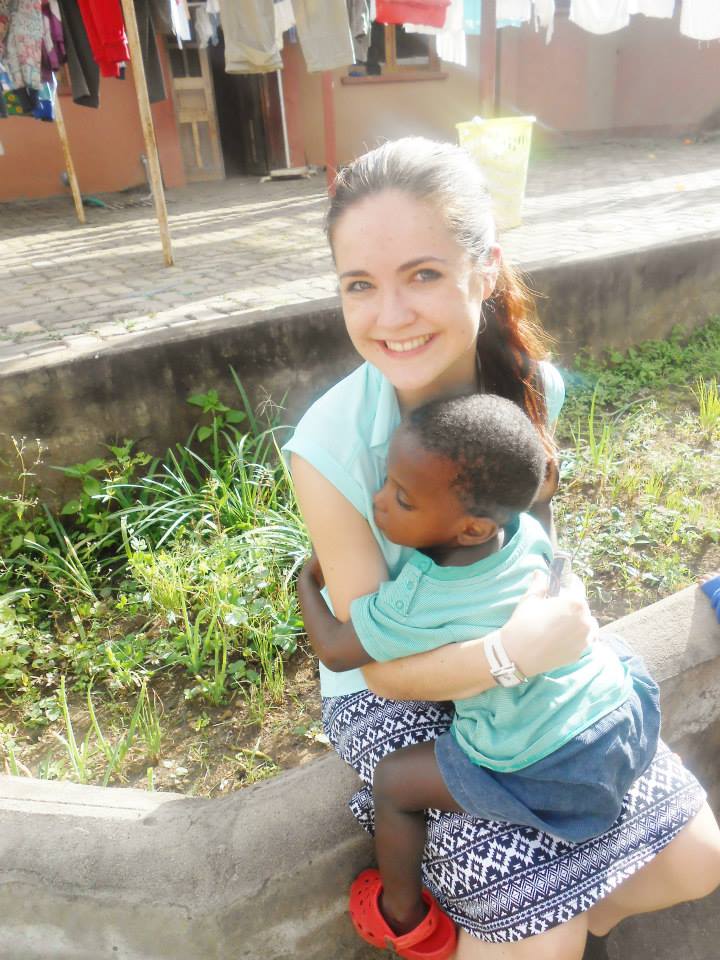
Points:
[(427, 606), (345, 435)]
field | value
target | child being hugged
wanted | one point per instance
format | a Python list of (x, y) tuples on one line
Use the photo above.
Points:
[(557, 751)]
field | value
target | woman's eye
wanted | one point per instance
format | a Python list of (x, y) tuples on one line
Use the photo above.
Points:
[(357, 286), (426, 274)]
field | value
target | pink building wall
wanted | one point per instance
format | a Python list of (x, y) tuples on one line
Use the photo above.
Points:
[(106, 145), (643, 78)]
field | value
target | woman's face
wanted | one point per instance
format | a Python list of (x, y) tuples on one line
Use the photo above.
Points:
[(411, 297)]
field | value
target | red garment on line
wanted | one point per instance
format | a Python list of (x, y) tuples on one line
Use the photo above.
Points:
[(105, 27), (425, 13)]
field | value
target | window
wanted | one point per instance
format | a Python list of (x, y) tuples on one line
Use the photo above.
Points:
[(395, 54)]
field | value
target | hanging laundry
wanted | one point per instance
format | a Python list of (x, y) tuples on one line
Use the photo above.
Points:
[(53, 54), (4, 23), (700, 19), (213, 9), (44, 108), (106, 33), (180, 19), (426, 13), (284, 19), (204, 28), (324, 32), (653, 8), (84, 72), (450, 40), (23, 44), (472, 17), (512, 13), (149, 52), (360, 27), (600, 16), (249, 29), (545, 17)]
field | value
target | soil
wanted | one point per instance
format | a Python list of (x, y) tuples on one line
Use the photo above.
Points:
[(204, 751)]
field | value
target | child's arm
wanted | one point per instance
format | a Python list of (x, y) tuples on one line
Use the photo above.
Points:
[(335, 644)]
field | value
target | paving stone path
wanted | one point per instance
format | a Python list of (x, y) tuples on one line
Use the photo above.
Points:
[(242, 246)]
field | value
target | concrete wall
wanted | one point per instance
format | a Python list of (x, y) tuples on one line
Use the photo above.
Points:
[(87, 873), (106, 145)]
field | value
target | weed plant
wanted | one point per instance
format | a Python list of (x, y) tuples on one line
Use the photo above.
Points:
[(640, 461), (177, 566)]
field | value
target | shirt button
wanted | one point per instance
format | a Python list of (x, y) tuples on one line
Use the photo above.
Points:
[(399, 605), (409, 584)]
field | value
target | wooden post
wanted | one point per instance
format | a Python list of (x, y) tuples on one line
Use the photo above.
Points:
[(329, 128), (69, 165), (138, 70), (488, 58)]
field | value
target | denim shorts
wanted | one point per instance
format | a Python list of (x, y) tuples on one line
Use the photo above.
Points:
[(577, 792)]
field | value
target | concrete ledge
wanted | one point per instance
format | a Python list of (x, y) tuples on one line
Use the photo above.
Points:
[(262, 875), (76, 401)]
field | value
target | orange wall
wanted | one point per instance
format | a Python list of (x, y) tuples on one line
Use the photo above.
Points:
[(368, 113), (106, 145)]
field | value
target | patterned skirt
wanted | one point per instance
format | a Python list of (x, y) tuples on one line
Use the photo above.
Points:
[(498, 881)]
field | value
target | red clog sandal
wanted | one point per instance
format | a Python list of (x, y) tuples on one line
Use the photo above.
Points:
[(434, 938)]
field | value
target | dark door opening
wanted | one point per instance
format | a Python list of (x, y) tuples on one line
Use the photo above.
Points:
[(249, 118)]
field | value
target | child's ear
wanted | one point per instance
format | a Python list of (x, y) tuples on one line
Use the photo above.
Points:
[(476, 530)]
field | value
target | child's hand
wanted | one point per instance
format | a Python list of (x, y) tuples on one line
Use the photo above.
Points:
[(312, 571), (549, 632)]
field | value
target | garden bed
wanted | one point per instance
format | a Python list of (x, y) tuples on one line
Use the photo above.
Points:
[(149, 631)]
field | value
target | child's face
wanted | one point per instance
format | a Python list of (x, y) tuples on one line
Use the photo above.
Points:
[(417, 506)]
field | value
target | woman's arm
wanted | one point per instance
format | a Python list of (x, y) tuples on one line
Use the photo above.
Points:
[(542, 633)]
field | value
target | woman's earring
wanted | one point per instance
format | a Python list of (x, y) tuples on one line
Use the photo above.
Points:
[(483, 323)]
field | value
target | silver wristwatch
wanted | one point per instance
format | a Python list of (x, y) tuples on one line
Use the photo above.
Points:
[(505, 672)]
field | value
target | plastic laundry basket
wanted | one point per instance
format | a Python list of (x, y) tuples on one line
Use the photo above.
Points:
[(501, 147)]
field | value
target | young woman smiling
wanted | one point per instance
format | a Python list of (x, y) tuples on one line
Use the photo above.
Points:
[(433, 310)]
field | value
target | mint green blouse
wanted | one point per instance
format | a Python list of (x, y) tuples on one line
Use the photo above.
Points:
[(345, 435)]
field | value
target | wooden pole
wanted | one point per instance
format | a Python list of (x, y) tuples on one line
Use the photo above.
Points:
[(488, 58), (69, 165), (141, 90), (329, 128)]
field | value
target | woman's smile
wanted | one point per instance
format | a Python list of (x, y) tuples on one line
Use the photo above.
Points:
[(411, 346)]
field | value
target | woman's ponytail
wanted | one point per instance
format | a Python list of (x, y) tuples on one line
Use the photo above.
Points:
[(510, 348)]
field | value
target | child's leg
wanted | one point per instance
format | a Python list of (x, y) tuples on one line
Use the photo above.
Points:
[(406, 783)]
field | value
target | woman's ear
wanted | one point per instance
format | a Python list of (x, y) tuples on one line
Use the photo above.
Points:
[(476, 530), (491, 271)]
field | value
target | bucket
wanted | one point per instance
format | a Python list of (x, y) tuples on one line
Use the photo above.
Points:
[(501, 147)]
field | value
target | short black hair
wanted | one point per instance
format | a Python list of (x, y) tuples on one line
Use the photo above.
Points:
[(500, 455)]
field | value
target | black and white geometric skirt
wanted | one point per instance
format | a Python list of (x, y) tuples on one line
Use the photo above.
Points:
[(498, 881)]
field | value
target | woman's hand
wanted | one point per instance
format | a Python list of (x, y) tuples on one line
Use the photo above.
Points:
[(549, 632)]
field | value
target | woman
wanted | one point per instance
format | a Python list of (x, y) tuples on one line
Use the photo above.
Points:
[(429, 304)]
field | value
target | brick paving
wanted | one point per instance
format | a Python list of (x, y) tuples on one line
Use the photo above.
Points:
[(242, 246)]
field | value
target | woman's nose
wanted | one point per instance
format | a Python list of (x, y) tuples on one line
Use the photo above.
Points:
[(394, 311)]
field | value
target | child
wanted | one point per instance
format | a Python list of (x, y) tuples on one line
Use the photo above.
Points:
[(557, 751)]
